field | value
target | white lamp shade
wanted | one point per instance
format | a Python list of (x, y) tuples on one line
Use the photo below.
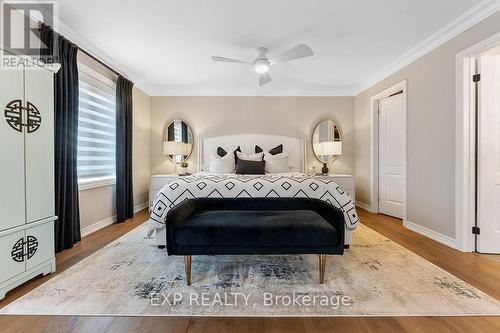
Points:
[(337, 148), (175, 148), (318, 148), (332, 148), (329, 148), (189, 147)]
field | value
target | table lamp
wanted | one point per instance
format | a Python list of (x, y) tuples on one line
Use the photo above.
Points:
[(175, 148), (328, 148)]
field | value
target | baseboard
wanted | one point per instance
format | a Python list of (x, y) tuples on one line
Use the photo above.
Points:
[(140, 207), (97, 226), (438, 237), (110, 220), (364, 206)]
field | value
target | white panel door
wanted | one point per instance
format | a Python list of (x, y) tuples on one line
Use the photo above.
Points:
[(489, 155), (392, 138), (12, 149), (40, 146)]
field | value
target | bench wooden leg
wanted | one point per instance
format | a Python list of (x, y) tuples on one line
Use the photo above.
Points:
[(322, 266), (187, 266)]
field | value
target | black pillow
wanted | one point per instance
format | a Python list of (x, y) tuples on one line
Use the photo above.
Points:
[(221, 152), (245, 167), (275, 151)]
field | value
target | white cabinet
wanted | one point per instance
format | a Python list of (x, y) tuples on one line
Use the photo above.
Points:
[(11, 150), (156, 182), (26, 175), (10, 244), (40, 146), (346, 182), (45, 249)]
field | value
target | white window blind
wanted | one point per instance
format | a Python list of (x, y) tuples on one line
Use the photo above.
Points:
[(178, 131), (96, 127)]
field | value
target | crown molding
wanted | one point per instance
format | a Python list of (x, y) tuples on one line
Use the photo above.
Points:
[(166, 91), (473, 16), (144, 87), (85, 44), (88, 46)]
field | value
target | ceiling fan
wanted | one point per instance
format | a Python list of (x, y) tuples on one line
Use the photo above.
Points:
[(262, 63)]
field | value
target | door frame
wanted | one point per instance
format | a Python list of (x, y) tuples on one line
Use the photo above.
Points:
[(465, 145), (374, 149)]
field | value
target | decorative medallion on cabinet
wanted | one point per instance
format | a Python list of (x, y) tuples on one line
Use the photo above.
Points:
[(26, 174), (24, 247), (18, 116)]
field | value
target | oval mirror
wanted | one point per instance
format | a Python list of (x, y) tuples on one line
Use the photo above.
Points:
[(327, 141), (178, 141)]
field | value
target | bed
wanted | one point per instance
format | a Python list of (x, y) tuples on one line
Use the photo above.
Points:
[(291, 184)]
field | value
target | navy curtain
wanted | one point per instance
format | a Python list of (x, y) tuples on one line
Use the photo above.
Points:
[(124, 190), (171, 132), (184, 132), (59, 49), (184, 136)]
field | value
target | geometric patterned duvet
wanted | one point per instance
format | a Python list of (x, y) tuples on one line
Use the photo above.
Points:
[(250, 186)]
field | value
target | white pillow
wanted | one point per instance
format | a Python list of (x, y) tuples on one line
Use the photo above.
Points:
[(253, 157), (277, 163), (221, 164)]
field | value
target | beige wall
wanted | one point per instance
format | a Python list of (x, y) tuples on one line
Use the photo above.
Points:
[(98, 204), (430, 131), (288, 116), (141, 146)]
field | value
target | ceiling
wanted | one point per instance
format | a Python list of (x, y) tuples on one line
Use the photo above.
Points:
[(165, 46)]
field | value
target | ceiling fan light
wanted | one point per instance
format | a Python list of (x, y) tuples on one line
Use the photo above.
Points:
[(261, 66)]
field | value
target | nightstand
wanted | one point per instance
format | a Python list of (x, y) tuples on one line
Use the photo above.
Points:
[(346, 182), (156, 183)]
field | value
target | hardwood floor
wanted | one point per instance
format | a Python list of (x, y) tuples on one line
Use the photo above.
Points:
[(478, 270), (495, 257), (86, 247)]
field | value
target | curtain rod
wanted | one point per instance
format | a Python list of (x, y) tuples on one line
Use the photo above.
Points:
[(99, 61), (87, 53)]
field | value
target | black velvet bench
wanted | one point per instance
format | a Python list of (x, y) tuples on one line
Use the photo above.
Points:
[(254, 226)]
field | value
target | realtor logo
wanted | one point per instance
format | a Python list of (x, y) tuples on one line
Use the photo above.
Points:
[(19, 28)]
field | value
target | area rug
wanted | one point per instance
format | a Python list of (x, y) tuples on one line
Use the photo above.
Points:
[(375, 277)]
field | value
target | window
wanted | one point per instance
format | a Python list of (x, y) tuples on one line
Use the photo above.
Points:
[(96, 128)]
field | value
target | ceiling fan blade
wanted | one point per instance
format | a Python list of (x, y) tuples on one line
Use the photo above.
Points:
[(234, 61), (264, 78), (299, 51)]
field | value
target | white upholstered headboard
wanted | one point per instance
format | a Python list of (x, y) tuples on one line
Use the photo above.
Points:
[(247, 142)]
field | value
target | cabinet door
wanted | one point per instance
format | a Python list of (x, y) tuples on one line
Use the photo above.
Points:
[(11, 149), (40, 241), (12, 255), (39, 99)]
